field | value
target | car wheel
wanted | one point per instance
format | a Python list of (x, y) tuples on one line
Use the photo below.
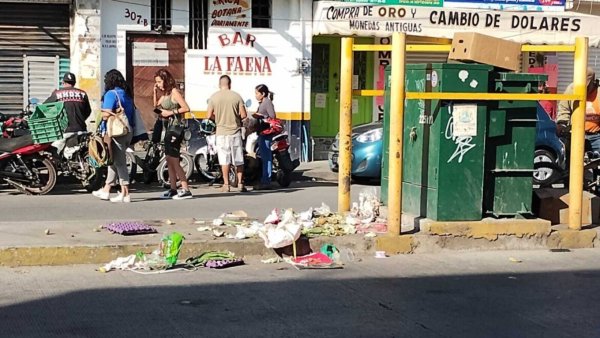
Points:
[(542, 175)]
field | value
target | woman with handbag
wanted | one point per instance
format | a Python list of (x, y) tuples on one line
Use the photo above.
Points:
[(265, 111), (118, 114), (171, 106)]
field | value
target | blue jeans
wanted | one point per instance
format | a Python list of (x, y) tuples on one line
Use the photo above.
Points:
[(594, 141), (264, 149)]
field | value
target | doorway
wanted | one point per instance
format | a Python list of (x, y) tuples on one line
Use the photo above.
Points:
[(325, 86), (146, 54)]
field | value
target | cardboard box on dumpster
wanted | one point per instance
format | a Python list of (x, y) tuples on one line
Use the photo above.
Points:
[(487, 50)]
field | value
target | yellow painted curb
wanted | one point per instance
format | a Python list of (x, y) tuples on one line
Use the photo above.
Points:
[(68, 255), (404, 244), (572, 239), (489, 229)]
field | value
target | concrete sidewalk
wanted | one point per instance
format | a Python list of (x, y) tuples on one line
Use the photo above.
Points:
[(84, 242), (318, 170), (73, 221)]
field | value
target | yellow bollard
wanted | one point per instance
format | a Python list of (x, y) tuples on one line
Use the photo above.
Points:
[(345, 135), (578, 134), (396, 130)]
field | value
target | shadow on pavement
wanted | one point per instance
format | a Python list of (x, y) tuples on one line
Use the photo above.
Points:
[(561, 304)]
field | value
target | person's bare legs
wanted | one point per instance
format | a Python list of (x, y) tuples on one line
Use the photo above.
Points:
[(172, 172), (176, 172), (125, 190), (240, 175), (225, 170)]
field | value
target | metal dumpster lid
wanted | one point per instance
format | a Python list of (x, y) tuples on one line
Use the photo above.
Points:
[(522, 77)]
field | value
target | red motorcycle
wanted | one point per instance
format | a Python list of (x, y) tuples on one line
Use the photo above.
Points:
[(25, 165), (283, 165)]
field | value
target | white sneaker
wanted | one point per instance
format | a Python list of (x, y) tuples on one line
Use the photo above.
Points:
[(120, 199), (183, 195), (101, 194)]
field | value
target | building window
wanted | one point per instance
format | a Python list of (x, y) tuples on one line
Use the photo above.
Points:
[(261, 13), (198, 24), (161, 15)]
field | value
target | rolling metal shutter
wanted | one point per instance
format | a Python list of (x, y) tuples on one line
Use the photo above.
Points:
[(565, 67), (30, 29), (40, 74), (426, 57)]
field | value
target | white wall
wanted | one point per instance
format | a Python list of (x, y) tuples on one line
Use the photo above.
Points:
[(118, 18), (288, 41), (283, 45)]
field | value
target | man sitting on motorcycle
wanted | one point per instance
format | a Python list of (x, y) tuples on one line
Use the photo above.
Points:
[(77, 106), (592, 112)]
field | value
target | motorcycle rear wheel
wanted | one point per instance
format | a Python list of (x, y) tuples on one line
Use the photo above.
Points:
[(150, 164), (205, 171), (44, 171), (186, 162), (97, 180), (284, 178)]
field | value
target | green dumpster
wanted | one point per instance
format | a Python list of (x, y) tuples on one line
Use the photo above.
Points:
[(443, 143), (510, 147)]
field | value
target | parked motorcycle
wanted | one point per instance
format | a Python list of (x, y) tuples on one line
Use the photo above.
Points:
[(25, 166), (15, 126), (283, 166), (202, 146), (154, 164), (71, 158)]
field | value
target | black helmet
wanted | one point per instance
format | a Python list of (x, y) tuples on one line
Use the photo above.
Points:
[(207, 126)]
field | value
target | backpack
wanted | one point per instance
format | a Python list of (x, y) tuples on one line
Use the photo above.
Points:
[(99, 152)]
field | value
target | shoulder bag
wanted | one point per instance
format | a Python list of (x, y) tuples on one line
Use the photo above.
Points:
[(117, 123)]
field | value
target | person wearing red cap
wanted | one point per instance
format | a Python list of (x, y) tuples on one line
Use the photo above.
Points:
[(76, 101)]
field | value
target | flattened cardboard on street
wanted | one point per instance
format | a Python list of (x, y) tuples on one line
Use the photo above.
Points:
[(486, 49)]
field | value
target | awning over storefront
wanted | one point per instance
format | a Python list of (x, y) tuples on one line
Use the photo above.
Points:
[(382, 20)]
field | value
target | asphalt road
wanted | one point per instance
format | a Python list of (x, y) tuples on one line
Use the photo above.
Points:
[(68, 201), (477, 294)]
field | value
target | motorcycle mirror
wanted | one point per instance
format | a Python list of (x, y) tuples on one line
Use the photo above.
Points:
[(248, 103), (33, 100)]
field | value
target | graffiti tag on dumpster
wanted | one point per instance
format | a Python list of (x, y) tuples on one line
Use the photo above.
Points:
[(463, 143)]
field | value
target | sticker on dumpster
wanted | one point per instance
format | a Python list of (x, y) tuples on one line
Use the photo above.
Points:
[(434, 79), (463, 75), (464, 120)]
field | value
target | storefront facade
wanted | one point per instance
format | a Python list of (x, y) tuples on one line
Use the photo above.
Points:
[(374, 23), (252, 41)]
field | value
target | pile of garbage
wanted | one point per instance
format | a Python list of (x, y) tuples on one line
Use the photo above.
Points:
[(285, 231), (166, 257), (283, 225), (163, 258)]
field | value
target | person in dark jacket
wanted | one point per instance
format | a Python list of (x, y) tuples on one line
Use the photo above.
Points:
[(76, 102)]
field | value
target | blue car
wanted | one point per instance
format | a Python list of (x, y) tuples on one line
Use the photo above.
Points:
[(367, 149), (548, 147)]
